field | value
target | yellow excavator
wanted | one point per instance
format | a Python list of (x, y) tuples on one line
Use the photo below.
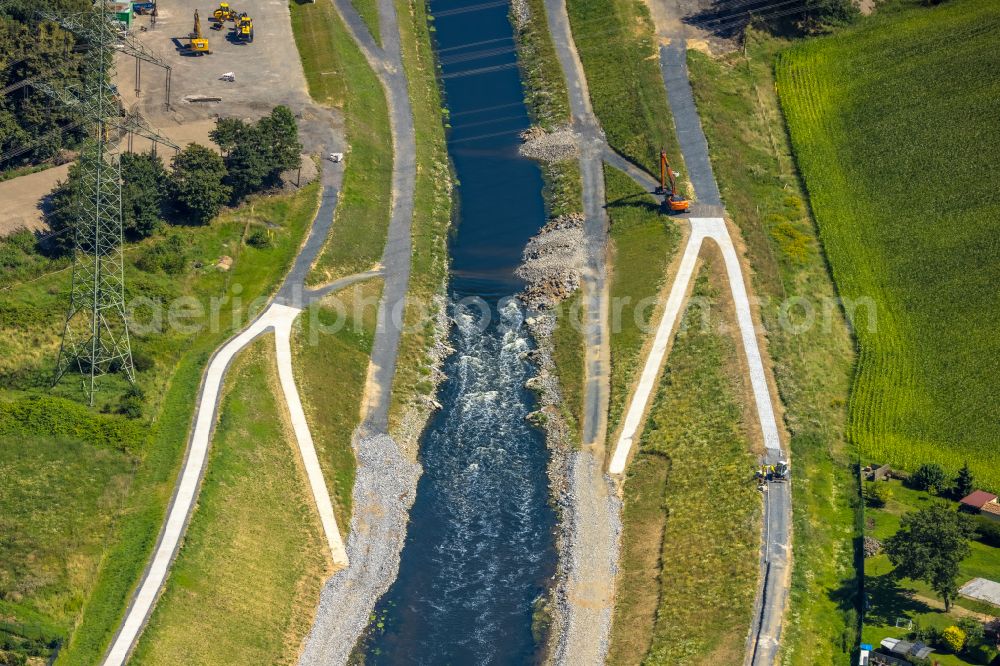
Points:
[(198, 43), (243, 28), (673, 202)]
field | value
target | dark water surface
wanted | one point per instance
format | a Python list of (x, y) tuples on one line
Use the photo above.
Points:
[(480, 546)]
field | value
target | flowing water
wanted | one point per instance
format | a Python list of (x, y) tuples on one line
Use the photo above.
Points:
[(480, 544)]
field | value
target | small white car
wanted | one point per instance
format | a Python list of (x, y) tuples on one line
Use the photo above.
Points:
[(336, 157)]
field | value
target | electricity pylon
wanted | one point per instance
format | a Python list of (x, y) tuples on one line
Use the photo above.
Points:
[(95, 337)]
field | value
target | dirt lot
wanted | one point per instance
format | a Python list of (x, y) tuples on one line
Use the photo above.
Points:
[(268, 72), (22, 198)]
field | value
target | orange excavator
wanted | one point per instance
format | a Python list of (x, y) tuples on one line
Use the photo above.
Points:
[(672, 201)]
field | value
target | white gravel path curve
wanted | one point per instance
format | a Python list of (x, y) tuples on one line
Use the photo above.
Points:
[(278, 318)]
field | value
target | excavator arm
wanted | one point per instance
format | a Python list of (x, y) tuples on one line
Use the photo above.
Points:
[(672, 201)]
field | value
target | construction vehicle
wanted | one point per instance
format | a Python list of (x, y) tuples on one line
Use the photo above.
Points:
[(222, 14), (243, 28), (772, 473), (198, 43), (673, 202)]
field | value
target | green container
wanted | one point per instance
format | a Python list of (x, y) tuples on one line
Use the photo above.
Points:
[(124, 14)]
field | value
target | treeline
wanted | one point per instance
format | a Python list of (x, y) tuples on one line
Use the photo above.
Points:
[(31, 46), (197, 185)]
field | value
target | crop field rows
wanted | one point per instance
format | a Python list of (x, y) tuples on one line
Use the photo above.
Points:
[(892, 124)]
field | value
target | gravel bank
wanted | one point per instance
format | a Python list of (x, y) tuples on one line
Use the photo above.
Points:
[(553, 260), (555, 146), (384, 490), (588, 562)]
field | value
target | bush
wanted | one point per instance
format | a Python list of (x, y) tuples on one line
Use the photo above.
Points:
[(953, 638), (877, 493), (131, 405), (987, 531), (259, 238), (141, 361), (974, 630), (168, 255), (929, 477)]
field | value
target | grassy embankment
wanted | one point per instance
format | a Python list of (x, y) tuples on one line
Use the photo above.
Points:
[(368, 9), (245, 583), (642, 244), (691, 514), (548, 105), (363, 212), (338, 74), (331, 347), (910, 220), (893, 598), (812, 364), (75, 599), (431, 221), (618, 49)]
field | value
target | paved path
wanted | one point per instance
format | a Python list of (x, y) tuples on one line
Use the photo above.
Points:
[(277, 318), (385, 481), (291, 298), (590, 565), (585, 641), (387, 61), (701, 229)]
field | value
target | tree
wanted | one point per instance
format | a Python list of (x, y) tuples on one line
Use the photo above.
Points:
[(146, 185), (964, 482), (280, 135), (247, 164), (929, 546), (63, 213), (930, 477), (227, 133), (197, 182)]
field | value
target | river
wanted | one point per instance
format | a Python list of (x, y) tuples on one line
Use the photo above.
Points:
[(480, 548)]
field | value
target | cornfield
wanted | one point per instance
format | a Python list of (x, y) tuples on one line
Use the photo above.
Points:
[(895, 126)]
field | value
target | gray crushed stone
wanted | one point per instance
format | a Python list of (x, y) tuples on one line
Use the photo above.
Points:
[(384, 489)]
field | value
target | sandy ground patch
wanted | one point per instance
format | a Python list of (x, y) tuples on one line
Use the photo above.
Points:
[(22, 199)]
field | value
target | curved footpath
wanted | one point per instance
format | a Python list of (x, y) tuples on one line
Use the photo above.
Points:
[(377, 524), (278, 317), (593, 552)]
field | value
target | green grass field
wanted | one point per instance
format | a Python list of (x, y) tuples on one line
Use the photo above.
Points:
[(643, 243), (893, 598), (813, 365), (246, 580), (691, 512), (893, 124), (568, 354), (338, 74), (331, 346), (544, 85), (45, 513), (619, 52), (214, 303), (368, 9)]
